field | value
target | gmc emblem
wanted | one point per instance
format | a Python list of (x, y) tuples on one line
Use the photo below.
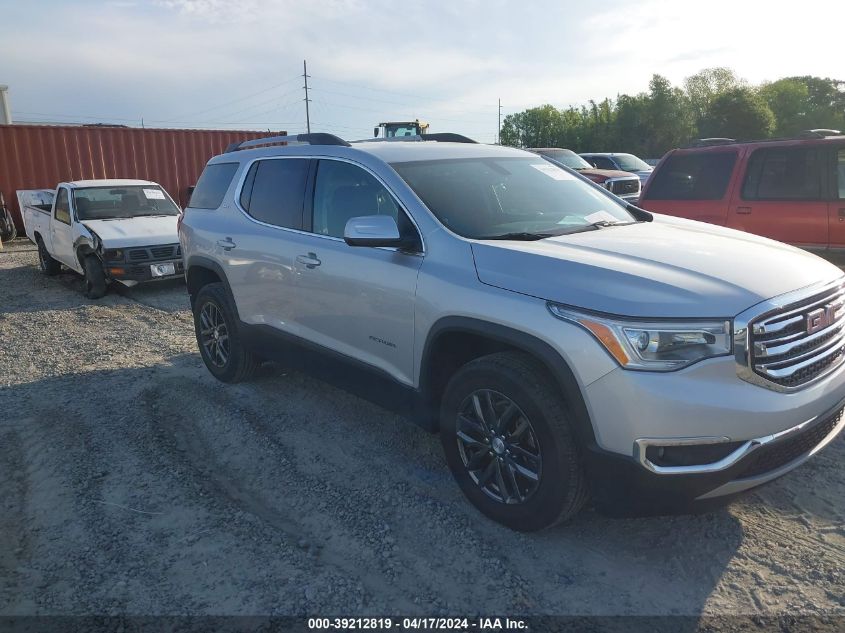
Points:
[(820, 318)]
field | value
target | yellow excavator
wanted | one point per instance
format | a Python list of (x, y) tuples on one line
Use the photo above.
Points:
[(392, 129)]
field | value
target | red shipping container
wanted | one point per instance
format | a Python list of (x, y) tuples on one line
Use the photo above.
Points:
[(41, 156)]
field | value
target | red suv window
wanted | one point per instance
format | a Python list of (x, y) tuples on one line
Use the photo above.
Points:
[(692, 176), (783, 173)]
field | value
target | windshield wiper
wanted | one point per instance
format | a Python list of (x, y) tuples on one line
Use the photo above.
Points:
[(522, 236)]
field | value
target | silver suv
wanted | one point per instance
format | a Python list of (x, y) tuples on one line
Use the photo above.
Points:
[(565, 344)]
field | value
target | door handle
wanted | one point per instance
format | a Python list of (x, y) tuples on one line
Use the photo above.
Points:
[(743, 210), (842, 215), (226, 244), (310, 260)]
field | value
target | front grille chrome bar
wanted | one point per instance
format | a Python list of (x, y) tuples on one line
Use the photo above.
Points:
[(791, 341)]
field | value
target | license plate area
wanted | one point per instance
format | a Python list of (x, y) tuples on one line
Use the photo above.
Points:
[(163, 270)]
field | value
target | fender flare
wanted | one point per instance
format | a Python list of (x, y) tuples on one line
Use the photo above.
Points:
[(539, 349), (200, 261)]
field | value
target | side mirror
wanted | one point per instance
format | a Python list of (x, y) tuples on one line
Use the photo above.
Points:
[(372, 230), (375, 131)]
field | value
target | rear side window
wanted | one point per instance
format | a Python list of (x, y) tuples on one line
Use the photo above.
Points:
[(602, 163), (691, 176), (840, 173), (783, 173), (274, 191), (63, 207), (212, 185)]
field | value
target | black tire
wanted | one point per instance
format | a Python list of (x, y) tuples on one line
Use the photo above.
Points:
[(538, 427), (46, 263), (227, 358), (95, 281)]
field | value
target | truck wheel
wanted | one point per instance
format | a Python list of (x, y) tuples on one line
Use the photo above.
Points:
[(508, 442), (95, 278), (218, 337), (46, 263)]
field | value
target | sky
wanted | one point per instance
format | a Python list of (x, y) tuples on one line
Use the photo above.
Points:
[(238, 64)]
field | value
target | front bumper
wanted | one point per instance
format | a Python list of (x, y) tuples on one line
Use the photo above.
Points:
[(623, 487), (764, 434), (121, 271)]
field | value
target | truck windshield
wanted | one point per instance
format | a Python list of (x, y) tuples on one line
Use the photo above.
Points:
[(525, 198), (567, 157), (106, 203), (629, 162)]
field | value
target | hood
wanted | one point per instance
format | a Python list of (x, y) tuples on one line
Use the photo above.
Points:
[(666, 268), (604, 174), (128, 232)]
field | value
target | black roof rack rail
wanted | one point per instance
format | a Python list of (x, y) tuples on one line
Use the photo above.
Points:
[(819, 133), (442, 137), (707, 142), (315, 138), (448, 137)]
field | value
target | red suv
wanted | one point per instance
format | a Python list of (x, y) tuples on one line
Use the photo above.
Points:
[(792, 190)]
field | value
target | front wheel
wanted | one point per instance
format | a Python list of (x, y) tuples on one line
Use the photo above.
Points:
[(218, 337), (509, 444), (95, 279)]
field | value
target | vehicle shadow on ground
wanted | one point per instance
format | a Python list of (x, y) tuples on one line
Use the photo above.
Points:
[(169, 436), (28, 290)]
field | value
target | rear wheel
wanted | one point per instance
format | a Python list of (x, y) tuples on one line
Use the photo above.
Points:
[(218, 337), (509, 444), (95, 279), (46, 263)]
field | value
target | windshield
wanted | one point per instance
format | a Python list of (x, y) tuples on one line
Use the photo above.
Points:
[(485, 198), (629, 162), (567, 157), (105, 203)]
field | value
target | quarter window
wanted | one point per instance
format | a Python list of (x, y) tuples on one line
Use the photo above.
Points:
[(692, 176), (783, 174), (602, 162), (63, 207), (274, 191), (212, 185), (343, 191), (840, 173)]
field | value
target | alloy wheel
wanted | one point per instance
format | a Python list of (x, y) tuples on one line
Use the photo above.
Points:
[(498, 446), (214, 334)]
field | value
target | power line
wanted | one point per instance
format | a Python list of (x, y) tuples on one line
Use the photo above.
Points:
[(239, 99), (406, 94)]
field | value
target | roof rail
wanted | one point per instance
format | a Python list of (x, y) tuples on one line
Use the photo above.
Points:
[(441, 137), (315, 138), (819, 133), (707, 142)]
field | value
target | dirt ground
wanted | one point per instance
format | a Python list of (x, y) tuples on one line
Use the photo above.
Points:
[(132, 482)]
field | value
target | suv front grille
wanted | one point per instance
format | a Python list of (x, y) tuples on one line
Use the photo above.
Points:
[(625, 187), (801, 342), (777, 454), (154, 253)]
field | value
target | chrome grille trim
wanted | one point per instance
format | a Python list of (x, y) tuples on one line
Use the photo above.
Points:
[(772, 345)]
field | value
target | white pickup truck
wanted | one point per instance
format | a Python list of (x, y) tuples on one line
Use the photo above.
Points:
[(107, 230)]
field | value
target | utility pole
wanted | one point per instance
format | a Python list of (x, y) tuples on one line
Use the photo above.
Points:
[(307, 100), (499, 133)]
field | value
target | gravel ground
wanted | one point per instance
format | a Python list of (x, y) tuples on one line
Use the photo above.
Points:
[(132, 482)]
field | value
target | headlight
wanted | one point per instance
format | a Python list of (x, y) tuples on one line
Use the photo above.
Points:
[(654, 346), (113, 255)]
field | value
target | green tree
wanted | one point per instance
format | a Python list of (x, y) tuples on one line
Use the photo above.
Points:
[(739, 113), (668, 118), (789, 101), (704, 86), (535, 127)]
